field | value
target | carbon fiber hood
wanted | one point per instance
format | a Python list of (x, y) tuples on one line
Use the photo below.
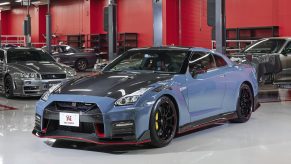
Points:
[(112, 84)]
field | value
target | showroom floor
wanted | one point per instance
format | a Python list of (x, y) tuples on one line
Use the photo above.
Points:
[(266, 138)]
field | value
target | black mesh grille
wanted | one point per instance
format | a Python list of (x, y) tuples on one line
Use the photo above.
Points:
[(53, 76), (83, 127), (28, 88), (76, 106)]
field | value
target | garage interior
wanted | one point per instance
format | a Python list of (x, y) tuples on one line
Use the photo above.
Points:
[(110, 28)]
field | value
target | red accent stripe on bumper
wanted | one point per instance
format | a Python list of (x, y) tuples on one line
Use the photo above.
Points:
[(95, 142)]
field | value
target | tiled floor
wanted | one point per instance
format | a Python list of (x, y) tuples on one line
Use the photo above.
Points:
[(266, 138)]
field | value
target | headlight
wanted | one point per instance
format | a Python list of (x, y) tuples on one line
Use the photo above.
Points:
[(27, 75), (131, 98), (71, 72), (46, 95)]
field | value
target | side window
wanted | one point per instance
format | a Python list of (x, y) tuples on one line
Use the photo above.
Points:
[(287, 49), (201, 62), (1, 55), (220, 62)]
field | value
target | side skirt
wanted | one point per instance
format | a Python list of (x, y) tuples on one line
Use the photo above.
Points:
[(207, 121)]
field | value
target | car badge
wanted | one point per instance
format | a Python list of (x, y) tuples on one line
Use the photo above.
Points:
[(53, 76)]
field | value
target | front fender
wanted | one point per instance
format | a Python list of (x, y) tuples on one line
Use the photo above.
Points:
[(176, 93)]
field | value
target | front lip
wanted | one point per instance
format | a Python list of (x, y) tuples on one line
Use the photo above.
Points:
[(40, 135)]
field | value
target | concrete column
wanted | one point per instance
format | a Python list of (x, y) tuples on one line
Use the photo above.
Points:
[(28, 30), (158, 22), (48, 28), (220, 26), (112, 30)]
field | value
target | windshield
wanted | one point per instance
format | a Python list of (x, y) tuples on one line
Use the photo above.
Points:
[(14, 56), (164, 61), (66, 49), (266, 46)]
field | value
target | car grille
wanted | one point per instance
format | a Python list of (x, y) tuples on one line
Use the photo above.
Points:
[(53, 76), (62, 106), (73, 106)]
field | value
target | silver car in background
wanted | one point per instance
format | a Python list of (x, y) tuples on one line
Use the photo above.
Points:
[(30, 72), (272, 59)]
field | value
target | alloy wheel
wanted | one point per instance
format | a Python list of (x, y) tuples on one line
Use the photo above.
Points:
[(165, 121)]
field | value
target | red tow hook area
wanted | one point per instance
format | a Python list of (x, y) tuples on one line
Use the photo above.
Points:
[(99, 129)]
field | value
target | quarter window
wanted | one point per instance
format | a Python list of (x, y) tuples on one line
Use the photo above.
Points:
[(220, 62)]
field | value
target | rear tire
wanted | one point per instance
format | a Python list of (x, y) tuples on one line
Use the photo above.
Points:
[(8, 87), (163, 122), (245, 104), (81, 64)]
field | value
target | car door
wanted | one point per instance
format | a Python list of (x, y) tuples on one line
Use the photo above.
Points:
[(285, 57), (206, 86)]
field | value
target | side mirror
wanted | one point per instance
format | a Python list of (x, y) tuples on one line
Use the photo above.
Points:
[(194, 72)]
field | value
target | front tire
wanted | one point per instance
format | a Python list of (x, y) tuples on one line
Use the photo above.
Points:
[(245, 104), (163, 122), (81, 64), (8, 87)]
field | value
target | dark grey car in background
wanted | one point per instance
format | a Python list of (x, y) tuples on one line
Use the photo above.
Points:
[(73, 57), (272, 59), (30, 72)]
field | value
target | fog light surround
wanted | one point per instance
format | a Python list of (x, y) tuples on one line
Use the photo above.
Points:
[(123, 124)]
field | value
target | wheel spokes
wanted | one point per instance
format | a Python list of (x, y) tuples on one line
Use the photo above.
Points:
[(245, 102), (164, 121)]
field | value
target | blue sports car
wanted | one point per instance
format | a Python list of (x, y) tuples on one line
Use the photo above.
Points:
[(149, 95)]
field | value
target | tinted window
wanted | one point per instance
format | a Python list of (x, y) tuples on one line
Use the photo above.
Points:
[(159, 61), (27, 55), (201, 62), (219, 61), (266, 46), (66, 49)]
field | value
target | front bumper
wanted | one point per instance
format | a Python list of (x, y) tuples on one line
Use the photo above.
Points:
[(32, 87), (101, 124)]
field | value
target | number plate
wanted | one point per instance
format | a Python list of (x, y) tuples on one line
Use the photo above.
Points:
[(69, 119)]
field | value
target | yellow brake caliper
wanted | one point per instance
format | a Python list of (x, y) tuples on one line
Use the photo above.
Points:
[(157, 118)]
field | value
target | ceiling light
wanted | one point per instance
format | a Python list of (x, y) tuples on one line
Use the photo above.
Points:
[(18, 1), (4, 3)]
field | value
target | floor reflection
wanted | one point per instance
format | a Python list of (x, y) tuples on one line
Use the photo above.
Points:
[(269, 93), (16, 116)]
